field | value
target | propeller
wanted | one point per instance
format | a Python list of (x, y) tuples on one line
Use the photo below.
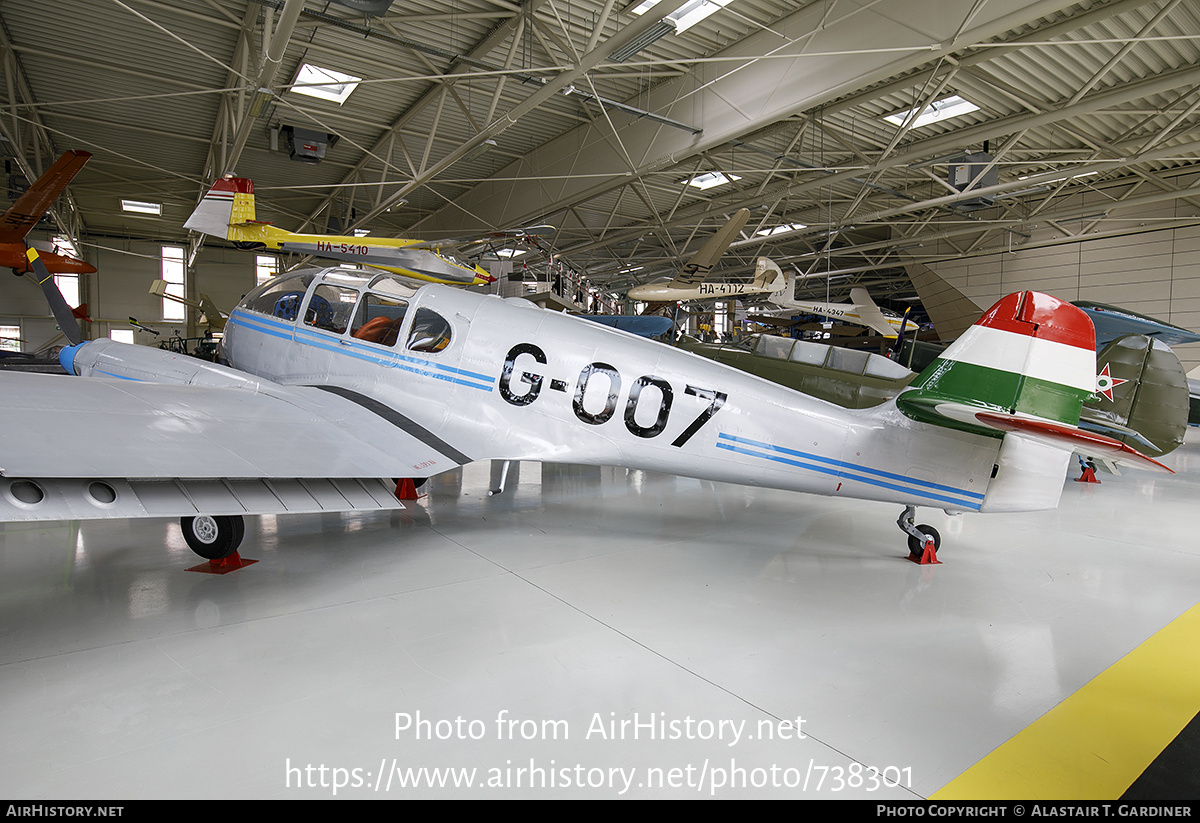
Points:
[(58, 305), (900, 337), (133, 322)]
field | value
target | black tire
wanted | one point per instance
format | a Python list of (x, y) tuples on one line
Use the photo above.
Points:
[(916, 548), (213, 537)]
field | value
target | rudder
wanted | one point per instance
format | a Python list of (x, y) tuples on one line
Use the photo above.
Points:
[(228, 203), (1030, 355)]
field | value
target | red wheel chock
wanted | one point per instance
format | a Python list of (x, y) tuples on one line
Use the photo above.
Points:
[(223, 566), (406, 489), (928, 557), (1088, 476)]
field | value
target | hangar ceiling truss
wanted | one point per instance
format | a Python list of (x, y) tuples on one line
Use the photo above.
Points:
[(484, 114)]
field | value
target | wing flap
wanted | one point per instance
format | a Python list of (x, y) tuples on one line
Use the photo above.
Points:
[(38, 499)]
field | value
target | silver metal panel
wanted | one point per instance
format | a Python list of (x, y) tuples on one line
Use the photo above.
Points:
[(80, 499), (145, 430)]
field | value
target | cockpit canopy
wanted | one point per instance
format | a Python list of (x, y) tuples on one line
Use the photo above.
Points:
[(367, 306)]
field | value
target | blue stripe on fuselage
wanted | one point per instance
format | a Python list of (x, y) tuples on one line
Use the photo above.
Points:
[(850, 471), (358, 350)]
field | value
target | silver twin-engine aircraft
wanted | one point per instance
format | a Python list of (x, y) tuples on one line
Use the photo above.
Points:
[(339, 377)]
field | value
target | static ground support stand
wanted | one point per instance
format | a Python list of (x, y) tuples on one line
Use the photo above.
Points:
[(923, 540), (223, 566), (406, 489), (1088, 474), (928, 555)]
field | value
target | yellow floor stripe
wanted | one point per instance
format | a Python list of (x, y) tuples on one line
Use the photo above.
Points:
[(1095, 743)]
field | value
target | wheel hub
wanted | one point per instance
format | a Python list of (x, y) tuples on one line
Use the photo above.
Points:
[(205, 529)]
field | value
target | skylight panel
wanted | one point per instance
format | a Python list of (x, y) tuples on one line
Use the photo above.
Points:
[(944, 109), (780, 229), (141, 207), (687, 15), (711, 179), (326, 84)]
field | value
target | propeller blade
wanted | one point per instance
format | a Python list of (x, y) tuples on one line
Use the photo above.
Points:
[(58, 305)]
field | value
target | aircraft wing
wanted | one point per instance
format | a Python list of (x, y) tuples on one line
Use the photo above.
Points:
[(501, 234), (869, 314), (74, 427), (32, 206)]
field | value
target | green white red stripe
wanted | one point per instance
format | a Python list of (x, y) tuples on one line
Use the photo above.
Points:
[(1030, 353)]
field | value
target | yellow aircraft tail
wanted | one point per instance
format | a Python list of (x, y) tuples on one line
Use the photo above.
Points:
[(228, 211)]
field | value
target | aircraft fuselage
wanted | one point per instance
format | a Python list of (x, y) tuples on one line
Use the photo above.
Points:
[(488, 378), (665, 293)]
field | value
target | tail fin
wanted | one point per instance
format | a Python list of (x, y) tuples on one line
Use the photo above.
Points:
[(1022, 372), (703, 260), (768, 275), (951, 311), (229, 202), (1030, 355), (1141, 395)]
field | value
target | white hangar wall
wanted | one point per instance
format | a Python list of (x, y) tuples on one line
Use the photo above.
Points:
[(1155, 272), (120, 289)]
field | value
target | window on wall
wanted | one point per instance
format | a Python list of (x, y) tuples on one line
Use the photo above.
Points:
[(123, 335), (266, 266), (10, 338), (68, 284), (172, 272), (721, 319)]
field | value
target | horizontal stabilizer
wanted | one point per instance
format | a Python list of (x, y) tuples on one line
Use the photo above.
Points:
[(1071, 437)]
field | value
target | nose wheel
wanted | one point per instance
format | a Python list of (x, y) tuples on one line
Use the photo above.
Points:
[(923, 540)]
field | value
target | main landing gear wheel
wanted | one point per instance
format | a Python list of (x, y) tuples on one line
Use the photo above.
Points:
[(917, 535), (916, 548), (213, 537)]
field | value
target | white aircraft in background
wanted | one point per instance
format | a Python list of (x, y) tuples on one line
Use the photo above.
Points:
[(338, 377), (861, 311), (689, 284)]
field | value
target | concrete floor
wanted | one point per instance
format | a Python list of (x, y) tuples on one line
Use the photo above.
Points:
[(753, 643)]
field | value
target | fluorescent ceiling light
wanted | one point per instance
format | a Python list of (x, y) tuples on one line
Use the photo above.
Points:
[(324, 83), (140, 207), (780, 229), (687, 15), (944, 109), (1064, 177), (361, 232), (509, 252), (711, 179)]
